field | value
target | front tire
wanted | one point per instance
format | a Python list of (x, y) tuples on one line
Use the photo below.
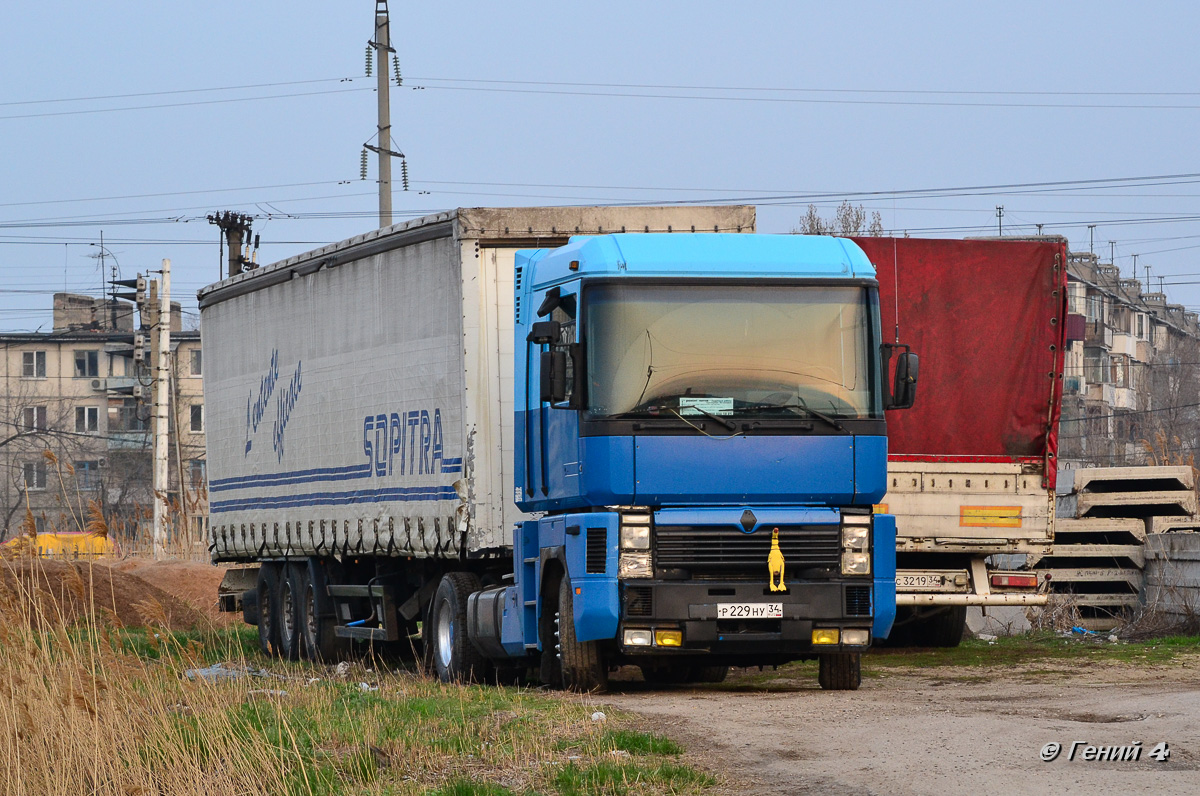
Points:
[(455, 658), (840, 671), (583, 665)]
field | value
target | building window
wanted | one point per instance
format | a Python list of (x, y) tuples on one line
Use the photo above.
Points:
[(197, 471), (35, 475), (33, 364), (129, 416), (197, 418), (33, 418), (87, 475), (87, 364), (1141, 326), (87, 419), (196, 363)]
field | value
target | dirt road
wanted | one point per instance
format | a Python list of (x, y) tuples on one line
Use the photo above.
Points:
[(941, 731)]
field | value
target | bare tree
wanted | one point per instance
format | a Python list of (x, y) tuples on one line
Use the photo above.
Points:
[(848, 221)]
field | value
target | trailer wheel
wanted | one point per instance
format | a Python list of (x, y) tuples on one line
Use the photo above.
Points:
[(455, 658), (840, 671), (943, 629), (321, 643), (583, 666), (291, 593), (267, 591)]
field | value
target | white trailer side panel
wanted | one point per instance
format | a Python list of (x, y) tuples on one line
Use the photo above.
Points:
[(344, 387)]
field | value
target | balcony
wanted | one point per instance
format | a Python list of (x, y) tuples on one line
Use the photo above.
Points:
[(1096, 333)]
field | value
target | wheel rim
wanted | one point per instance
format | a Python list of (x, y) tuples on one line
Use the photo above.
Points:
[(287, 608), (445, 635)]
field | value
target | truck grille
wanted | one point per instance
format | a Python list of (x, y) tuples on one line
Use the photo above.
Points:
[(724, 551), (858, 601), (597, 550), (639, 601)]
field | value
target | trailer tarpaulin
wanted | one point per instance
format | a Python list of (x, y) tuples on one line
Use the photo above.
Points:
[(986, 318)]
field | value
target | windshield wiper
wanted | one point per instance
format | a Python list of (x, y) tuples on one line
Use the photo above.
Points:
[(729, 424), (654, 410), (797, 409)]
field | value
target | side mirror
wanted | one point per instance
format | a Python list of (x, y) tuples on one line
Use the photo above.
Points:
[(554, 377), (904, 385), (544, 333)]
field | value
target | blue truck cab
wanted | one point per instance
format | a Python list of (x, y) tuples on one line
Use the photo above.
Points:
[(700, 435)]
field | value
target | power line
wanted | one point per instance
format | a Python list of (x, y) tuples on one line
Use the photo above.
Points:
[(181, 104)]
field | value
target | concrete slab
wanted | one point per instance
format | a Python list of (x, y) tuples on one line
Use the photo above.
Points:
[(1134, 479), (1173, 525), (1135, 553), (1177, 503), (1101, 530)]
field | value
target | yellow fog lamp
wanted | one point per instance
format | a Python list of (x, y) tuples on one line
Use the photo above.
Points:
[(668, 638), (828, 635)]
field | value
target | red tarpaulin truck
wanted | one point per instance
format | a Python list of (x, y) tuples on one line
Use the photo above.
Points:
[(971, 468)]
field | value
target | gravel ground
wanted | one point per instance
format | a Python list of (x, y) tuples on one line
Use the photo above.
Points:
[(940, 730)]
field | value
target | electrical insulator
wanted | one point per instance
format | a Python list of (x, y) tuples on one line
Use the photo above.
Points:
[(369, 60), (396, 69), (404, 173), (362, 165)]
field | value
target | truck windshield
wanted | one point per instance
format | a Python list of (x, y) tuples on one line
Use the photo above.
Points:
[(730, 350)]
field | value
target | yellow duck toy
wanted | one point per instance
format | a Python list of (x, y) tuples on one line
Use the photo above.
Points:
[(775, 563)]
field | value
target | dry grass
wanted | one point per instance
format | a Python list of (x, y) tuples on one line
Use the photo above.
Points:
[(93, 705)]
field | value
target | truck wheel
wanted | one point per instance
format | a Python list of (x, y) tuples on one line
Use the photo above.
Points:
[(840, 671), (267, 590), (583, 666), (321, 643), (709, 674), (455, 658), (291, 593), (669, 674), (943, 629)]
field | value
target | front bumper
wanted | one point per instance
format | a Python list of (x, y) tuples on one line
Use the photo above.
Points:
[(691, 607)]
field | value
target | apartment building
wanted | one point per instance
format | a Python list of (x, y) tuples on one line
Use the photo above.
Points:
[(1132, 371), (74, 432)]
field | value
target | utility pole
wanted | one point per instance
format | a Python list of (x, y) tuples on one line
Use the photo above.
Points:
[(1112, 256), (1000, 220), (382, 48), (1091, 238), (236, 229), (161, 341)]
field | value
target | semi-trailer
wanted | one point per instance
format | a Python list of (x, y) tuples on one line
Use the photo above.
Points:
[(971, 469), (559, 440)]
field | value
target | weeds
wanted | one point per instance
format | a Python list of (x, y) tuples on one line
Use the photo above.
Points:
[(92, 704)]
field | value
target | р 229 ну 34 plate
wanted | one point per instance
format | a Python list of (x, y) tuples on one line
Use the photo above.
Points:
[(749, 610)]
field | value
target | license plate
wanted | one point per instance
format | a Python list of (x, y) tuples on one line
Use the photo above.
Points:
[(920, 580), (749, 610)]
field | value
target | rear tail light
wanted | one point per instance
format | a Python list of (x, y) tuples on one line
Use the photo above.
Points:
[(1015, 581)]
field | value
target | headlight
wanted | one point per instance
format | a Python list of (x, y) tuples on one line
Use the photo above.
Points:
[(825, 635), (856, 638), (854, 563), (635, 537), (638, 638), (856, 537), (634, 565)]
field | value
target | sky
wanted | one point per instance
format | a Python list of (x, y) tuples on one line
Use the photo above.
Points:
[(134, 120)]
